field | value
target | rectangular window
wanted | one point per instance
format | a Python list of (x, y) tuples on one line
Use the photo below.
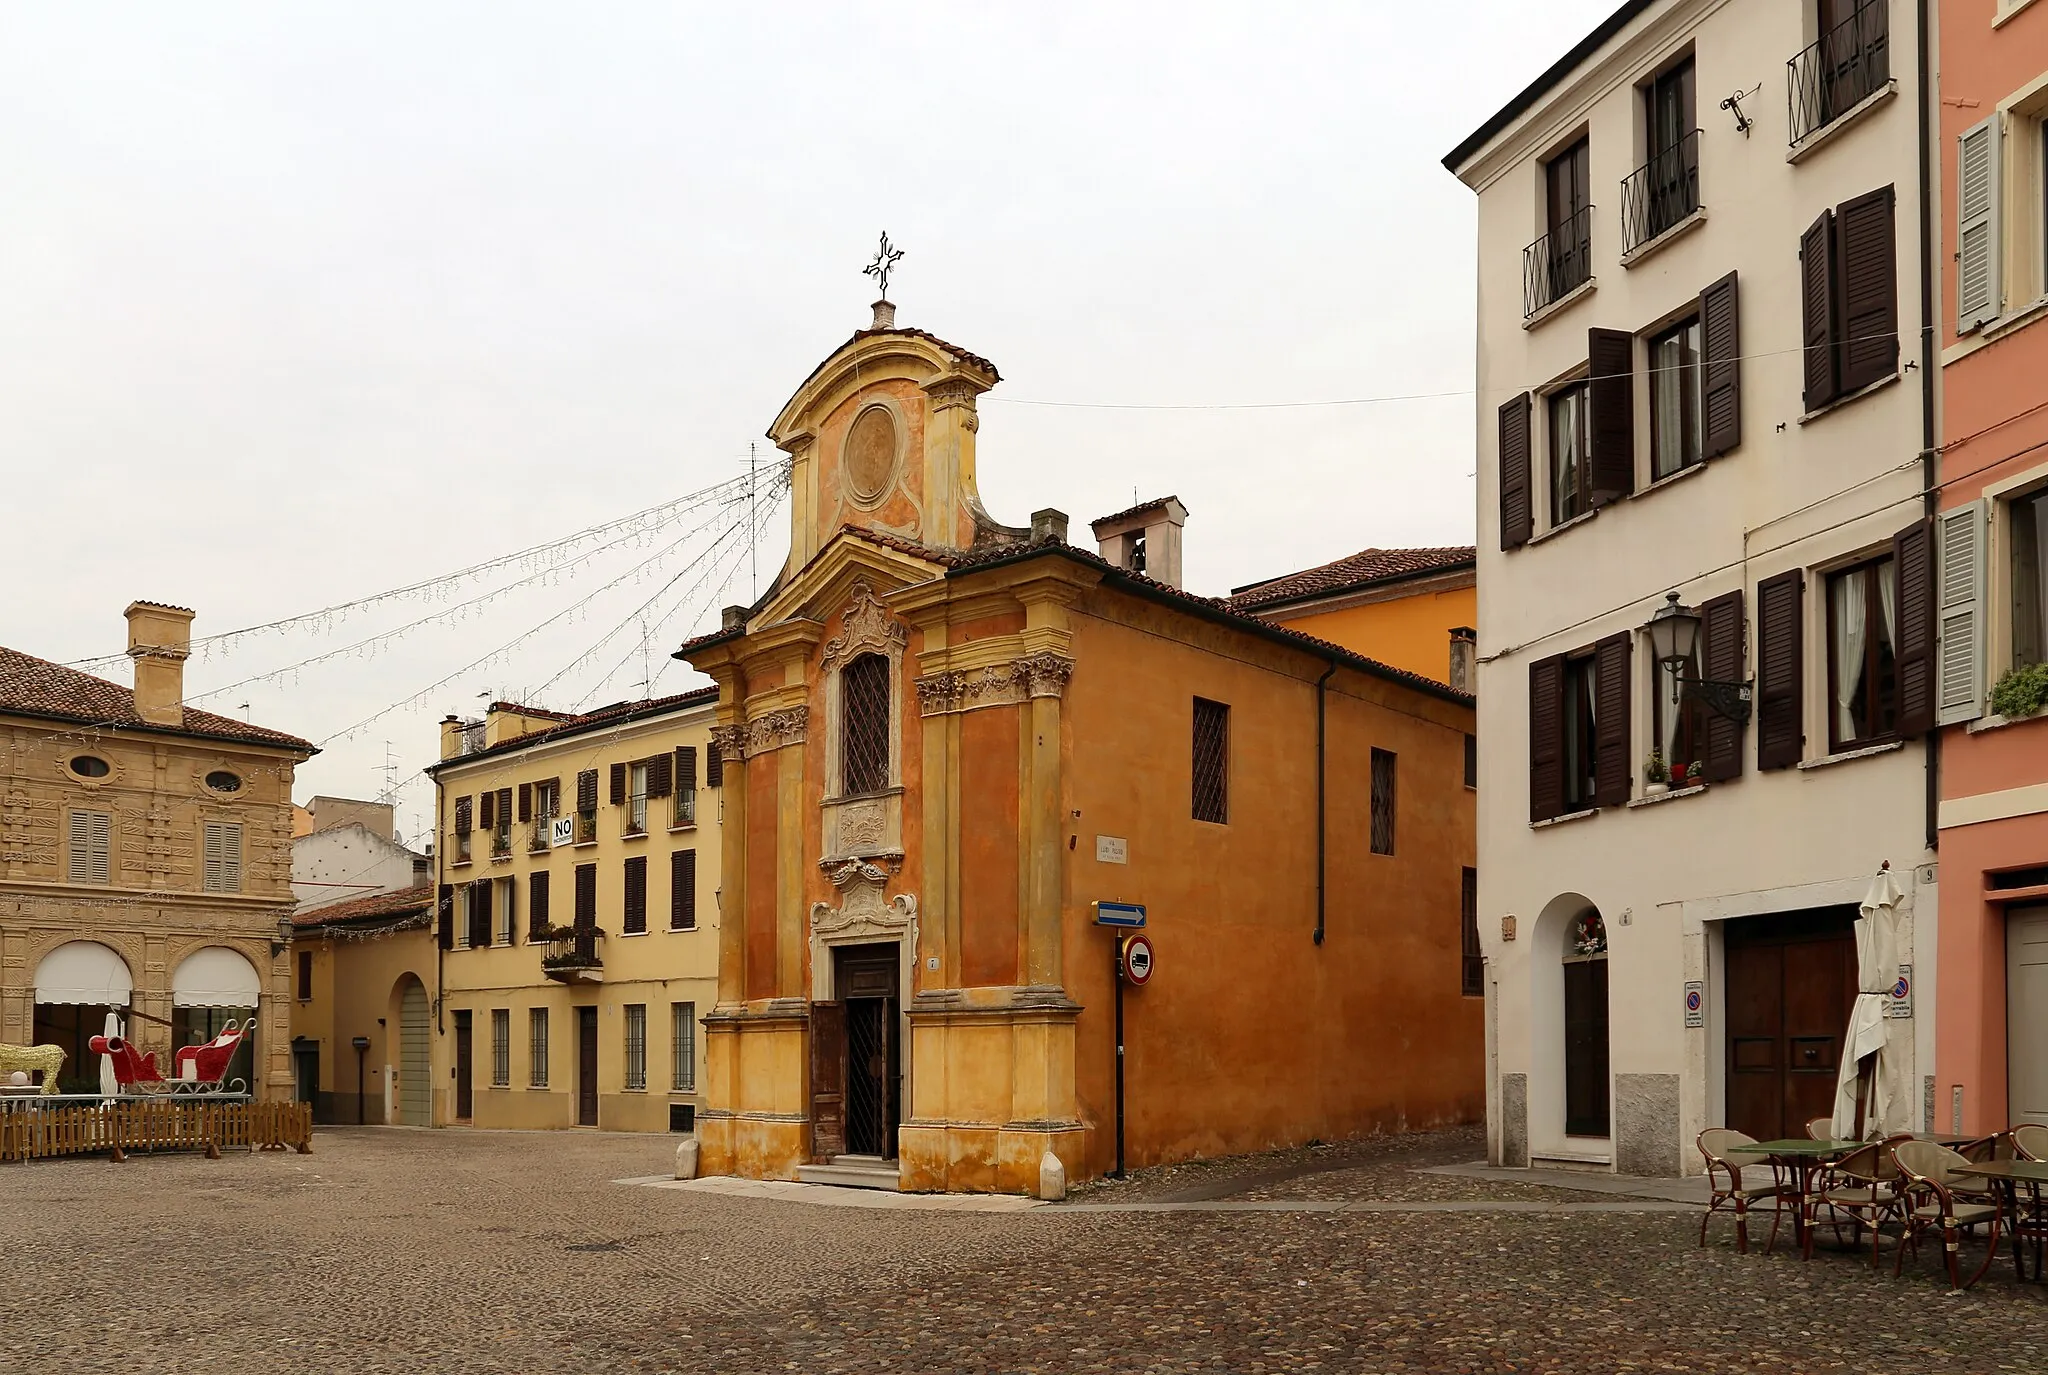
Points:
[(537, 1048), (1863, 679), (223, 869), (501, 1047), (503, 902), (480, 913), (1677, 431), (1679, 721), (864, 720), (685, 801), (682, 890), (636, 799), (501, 833), (465, 924), (92, 849), (1212, 761), (636, 1046), (1581, 735), (1471, 760), (1383, 802), (2028, 528), (636, 895), (1561, 261), (683, 1047), (1570, 444), (1849, 316), (538, 918), (586, 896), (305, 976), (1666, 189), (1472, 974)]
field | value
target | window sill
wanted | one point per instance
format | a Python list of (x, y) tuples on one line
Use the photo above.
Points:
[(1994, 329), (583, 845), (629, 935), (896, 791), (682, 826), (1693, 469), (681, 930), (2006, 10), (1666, 239), (1554, 531), (1562, 303), (1842, 123), (632, 835), (1844, 756), (505, 858), (1561, 820), (630, 1089), (1672, 796), (682, 1093), (500, 1088), (1991, 721), (538, 1088), (1879, 385), (458, 863)]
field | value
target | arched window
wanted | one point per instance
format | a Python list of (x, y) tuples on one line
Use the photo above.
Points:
[(864, 725)]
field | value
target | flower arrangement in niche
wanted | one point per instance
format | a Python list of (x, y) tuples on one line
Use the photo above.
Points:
[(1589, 934)]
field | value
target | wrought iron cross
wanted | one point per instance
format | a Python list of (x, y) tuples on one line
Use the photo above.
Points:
[(883, 265)]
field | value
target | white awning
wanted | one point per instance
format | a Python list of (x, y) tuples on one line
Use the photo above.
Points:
[(215, 977), (83, 972)]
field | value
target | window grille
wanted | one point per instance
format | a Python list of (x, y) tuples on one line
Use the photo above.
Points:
[(501, 1047), (92, 847), (1472, 980), (223, 857), (1212, 761), (537, 1048), (1383, 802), (864, 725), (683, 1047), (636, 1045)]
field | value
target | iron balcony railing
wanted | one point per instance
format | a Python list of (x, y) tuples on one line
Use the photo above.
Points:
[(1557, 263), (542, 834), (1848, 63), (569, 949), (1660, 193)]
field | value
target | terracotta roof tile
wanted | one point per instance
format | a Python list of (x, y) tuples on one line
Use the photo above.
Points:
[(1140, 509), (404, 902), (1363, 569), (36, 687), (591, 720)]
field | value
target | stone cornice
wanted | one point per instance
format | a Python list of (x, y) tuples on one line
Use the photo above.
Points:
[(1043, 674)]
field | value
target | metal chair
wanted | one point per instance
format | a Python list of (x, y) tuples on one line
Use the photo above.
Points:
[(2030, 1139), (1997, 1146), (1864, 1185), (1934, 1197), (1717, 1144), (1820, 1129)]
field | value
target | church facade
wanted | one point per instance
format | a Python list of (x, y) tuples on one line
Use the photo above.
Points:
[(945, 740)]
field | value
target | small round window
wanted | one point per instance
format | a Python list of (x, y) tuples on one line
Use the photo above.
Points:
[(90, 766), (221, 781)]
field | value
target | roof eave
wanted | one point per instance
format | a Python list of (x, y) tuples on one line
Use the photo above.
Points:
[(1527, 97)]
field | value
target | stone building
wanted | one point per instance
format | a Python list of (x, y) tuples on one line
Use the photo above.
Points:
[(147, 860)]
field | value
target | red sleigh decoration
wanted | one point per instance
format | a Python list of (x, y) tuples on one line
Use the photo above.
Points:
[(195, 1069)]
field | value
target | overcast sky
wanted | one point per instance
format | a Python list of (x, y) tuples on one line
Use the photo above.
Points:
[(303, 302)]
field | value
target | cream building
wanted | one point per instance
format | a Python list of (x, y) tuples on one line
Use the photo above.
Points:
[(145, 861), (577, 915), (1700, 372)]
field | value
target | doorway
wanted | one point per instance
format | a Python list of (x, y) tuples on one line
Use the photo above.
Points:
[(1790, 987), (1586, 1059), (463, 1068), (857, 1055), (415, 1057), (306, 1073), (586, 1066), (2026, 1013)]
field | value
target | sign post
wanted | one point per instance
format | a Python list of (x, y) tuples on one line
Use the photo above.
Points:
[(1123, 916)]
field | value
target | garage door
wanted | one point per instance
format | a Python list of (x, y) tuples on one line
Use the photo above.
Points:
[(2026, 1012)]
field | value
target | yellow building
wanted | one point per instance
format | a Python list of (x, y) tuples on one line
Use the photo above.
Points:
[(145, 861), (1412, 608), (577, 915), (361, 971)]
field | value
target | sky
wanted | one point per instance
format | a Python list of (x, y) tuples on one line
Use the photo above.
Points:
[(302, 303)]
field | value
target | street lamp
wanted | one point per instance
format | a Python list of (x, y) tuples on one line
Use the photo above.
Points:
[(1674, 640), (283, 939)]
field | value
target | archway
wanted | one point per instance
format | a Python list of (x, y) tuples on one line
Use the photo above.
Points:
[(1586, 1108), (212, 987), (1569, 1081), (77, 985), (415, 1051)]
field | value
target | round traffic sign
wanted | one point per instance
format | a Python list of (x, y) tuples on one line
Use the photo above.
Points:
[(1135, 951)]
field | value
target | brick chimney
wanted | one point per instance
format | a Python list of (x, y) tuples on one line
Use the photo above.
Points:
[(159, 641), (1145, 539)]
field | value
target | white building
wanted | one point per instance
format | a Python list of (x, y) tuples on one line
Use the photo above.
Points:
[(1700, 371), (349, 849)]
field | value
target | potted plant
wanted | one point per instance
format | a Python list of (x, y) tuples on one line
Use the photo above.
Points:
[(2021, 692), (1656, 775), (1696, 776)]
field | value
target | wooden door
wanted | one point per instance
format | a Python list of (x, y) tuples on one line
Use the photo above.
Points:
[(586, 1066), (415, 1058), (828, 1080), (1790, 987), (463, 1068), (2026, 1013), (1585, 1048)]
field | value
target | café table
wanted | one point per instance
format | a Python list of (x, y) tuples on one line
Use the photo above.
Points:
[(1804, 1158), (2008, 1175)]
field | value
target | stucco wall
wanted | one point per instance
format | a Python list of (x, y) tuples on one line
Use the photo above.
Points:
[(1408, 632)]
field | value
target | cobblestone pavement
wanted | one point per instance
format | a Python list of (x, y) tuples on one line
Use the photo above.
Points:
[(428, 1252)]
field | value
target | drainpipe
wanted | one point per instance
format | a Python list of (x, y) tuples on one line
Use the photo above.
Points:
[(1930, 471), (440, 860), (1322, 797)]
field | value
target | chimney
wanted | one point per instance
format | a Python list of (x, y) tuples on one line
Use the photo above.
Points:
[(732, 618), (1464, 654), (1048, 525), (451, 736), (1145, 539), (159, 641)]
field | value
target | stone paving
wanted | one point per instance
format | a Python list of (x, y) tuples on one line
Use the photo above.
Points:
[(427, 1252)]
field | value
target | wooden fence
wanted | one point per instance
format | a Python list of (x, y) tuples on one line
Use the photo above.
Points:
[(31, 1131)]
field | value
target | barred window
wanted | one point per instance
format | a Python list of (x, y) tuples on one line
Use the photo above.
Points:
[(864, 725), (1472, 977), (636, 1045), (1212, 761), (537, 1048), (1383, 802), (501, 1047), (683, 1047)]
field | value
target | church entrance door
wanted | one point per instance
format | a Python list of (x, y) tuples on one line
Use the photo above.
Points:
[(865, 978)]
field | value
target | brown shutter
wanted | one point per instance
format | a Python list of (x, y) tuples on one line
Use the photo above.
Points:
[(1780, 670), (714, 767), (444, 917), (686, 767), (1517, 509), (682, 890), (525, 802), (1721, 661), (480, 912), (555, 794), (1817, 312), (1913, 564), (636, 894), (1611, 357), (1868, 244), (1721, 361), (537, 921), (618, 784), (1546, 738), (1613, 707), (462, 816), (487, 805), (660, 776), (505, 808), (586, 895), (586, 790)]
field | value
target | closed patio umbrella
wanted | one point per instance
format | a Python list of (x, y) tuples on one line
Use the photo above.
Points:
[(109, 1084), (1877, 967)]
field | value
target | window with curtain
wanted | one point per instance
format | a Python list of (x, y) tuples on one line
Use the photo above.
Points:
[(636, 798), (1570, 453), (1676, 426), (636, 1046), (2028, 527), (864, 725), (1863, 679), (1680, 721), (1581, 738)]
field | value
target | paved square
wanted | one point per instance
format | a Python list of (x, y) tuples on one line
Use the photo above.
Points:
[(418, 1252)]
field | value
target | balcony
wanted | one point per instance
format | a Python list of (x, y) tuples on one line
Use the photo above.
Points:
[(1849, 64), (540, 837), (501, 843), (1557, 264), (1660, 194), (570, 955)]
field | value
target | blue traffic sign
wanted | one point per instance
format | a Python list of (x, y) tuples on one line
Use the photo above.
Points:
[(1131, 914)]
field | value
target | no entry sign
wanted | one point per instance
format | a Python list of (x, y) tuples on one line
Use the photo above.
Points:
[(1134, 954)]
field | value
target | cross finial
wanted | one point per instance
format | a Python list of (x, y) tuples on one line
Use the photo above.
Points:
[(883, 265)]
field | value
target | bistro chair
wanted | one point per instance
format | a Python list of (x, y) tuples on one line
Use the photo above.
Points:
[(1820, 1129), (1934, 1198), (2030, 1140), (1997, 1146), (1717, 1144), (1864, 1185)]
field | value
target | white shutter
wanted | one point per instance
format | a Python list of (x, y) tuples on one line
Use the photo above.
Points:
[(81, 849), (223, 857), (102, 847), (1961, 534), (1978, 294), (91, 857)]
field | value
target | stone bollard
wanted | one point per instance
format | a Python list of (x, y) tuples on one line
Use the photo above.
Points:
[(686, 1159), (1052, 1178)]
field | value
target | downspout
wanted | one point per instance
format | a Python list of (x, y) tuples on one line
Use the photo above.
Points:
[(440, 954), (1322, 795), (1930, 472)]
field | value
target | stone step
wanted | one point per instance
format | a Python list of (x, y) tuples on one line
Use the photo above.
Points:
[(1560, 1160), (853, 1172)]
